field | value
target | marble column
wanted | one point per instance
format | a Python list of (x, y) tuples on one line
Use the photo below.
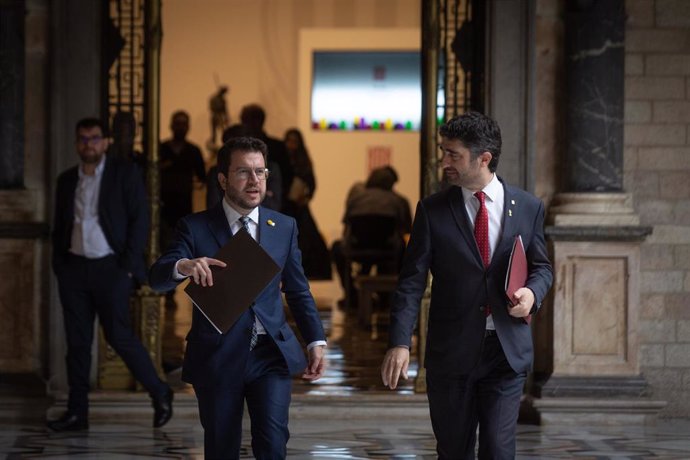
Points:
[(12, 94), (595, 237), (594, 89)]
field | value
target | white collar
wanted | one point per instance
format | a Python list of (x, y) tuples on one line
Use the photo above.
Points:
[(492, 190), (233, 216)]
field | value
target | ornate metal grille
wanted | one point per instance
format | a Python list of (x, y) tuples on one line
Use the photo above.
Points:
[(124, 41), (131, 60), (461, 59)]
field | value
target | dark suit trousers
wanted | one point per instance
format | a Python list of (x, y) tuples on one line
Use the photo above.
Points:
[(266, 386), (489, 396), (90, 287)]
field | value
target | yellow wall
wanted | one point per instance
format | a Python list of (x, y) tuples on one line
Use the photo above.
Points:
[(340, 158), (254, 47)]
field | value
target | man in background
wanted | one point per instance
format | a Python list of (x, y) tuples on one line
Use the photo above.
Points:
[(100, 231), (253, 118), (376, 197), (180, 162)]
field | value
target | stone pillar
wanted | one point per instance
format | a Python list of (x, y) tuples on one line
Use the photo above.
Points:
[(595, 239), (23, 227), (12, 94)]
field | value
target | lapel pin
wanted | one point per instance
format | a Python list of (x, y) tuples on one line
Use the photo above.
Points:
[(271, 223), (510, 212), (512, 201)]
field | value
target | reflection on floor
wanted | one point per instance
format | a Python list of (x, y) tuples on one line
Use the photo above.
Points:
[(336, 438), (348, 415)]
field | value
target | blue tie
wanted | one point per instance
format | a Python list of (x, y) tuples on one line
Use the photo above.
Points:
[(245, 224), (255, 334)]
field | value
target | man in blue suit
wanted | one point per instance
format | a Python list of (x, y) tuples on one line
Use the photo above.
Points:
[(100, 231), (255, 359), (479, 344)]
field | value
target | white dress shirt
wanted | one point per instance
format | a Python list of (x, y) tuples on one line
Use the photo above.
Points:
[(88, 239), (494, 203)]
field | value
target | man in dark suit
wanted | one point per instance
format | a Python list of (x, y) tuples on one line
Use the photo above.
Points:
[(479, 346), (254, 360), (101, 226)]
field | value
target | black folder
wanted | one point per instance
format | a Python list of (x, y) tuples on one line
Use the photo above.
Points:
[(235, 287)]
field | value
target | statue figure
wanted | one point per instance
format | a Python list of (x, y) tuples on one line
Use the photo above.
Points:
[(219, 114)]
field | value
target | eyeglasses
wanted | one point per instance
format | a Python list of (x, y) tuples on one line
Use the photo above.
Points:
[(245, 173), (89, 140)]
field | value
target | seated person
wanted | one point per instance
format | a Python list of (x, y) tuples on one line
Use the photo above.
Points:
[(375, 198)]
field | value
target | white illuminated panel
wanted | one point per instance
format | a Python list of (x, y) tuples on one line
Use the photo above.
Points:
[(366, 91)]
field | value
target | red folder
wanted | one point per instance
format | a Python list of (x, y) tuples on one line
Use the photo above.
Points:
[(516, 277)]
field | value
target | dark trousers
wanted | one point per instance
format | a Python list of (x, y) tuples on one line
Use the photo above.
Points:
[(489, 396), (266, 385), (90, 287)]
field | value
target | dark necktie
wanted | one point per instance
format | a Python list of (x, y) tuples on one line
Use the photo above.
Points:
[(481, 233), (244, 220)]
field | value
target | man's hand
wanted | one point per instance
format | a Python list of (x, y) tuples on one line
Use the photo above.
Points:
[(317, 364), (394, 365), (199, 269), (523, 299)]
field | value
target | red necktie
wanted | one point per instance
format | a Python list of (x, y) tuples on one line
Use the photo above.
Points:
[(481, 228), (481, 233)]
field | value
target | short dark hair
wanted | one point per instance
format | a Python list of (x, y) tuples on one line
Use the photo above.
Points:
[(383, 178), (88, 123), (253, 115), (235, 130), (477, 132), (239, 144), (179, 113)]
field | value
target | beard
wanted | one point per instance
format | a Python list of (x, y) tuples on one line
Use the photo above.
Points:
[(91, 157), (235, 197)]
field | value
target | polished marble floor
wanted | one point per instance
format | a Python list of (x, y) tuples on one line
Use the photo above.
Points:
[(347, 415), (338, 438)]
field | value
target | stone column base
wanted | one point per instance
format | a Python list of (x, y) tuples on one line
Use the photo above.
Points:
[(595, 411), (593, 209), (568, 400)]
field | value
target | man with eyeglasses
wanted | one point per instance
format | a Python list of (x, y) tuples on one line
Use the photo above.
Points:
[(255, 359), (100, 231)]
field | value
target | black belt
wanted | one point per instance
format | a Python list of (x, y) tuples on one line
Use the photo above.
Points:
[(489, 333)]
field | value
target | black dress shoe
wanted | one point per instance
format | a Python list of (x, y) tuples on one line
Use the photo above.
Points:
[(69, 422), (162, 409)]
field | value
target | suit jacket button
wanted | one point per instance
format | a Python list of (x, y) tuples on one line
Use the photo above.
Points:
[(482, 308)]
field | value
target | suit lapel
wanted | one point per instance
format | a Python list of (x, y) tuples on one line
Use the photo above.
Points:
[(459, 212), (218, 224), (511, 209), (266, 229)]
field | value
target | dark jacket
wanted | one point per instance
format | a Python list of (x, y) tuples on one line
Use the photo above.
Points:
[(442, 242), (122, 214)]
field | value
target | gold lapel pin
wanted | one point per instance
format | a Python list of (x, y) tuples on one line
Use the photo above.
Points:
[(271, 223), (510, 212)]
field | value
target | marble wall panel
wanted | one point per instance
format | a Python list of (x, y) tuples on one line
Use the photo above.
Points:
[(596, 305), (20, 325)]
